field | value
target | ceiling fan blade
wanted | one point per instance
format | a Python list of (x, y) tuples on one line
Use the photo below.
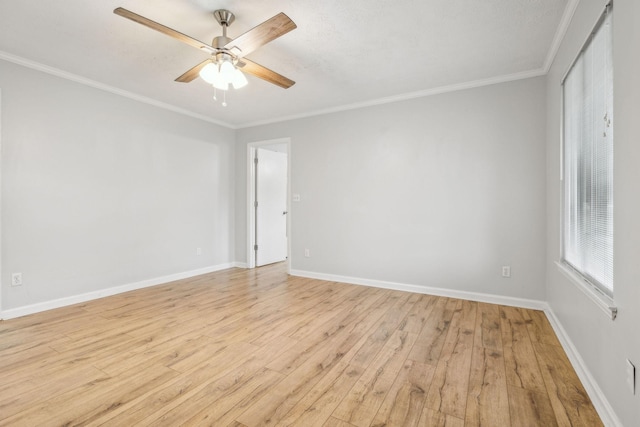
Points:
[(264, 73), (163, 29), (192, 74), (260, 35)]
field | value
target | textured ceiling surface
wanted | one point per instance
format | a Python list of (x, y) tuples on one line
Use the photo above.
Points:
[(342, 53)]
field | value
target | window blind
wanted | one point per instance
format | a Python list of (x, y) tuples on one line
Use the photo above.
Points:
[(588, 159)]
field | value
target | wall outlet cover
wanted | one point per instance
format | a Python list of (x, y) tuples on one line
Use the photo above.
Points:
[(16, 279), (506, 271)]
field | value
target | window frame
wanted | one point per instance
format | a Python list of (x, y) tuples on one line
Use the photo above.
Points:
[(589, 285)]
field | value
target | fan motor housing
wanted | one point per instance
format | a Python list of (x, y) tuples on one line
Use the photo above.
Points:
[(220, 41)]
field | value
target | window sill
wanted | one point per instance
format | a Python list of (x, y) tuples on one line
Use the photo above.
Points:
[(604, 302)]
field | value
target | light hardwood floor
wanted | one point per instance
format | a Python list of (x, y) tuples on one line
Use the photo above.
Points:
[(259, 348)]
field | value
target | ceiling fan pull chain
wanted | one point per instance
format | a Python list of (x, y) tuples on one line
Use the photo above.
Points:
[(224, 98)]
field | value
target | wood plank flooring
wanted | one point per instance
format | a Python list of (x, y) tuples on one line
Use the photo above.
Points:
[(260, 348)]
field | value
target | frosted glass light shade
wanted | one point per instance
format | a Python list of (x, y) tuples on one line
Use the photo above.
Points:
[(209, 72), (226, 71), (219, 82), (239, 80)]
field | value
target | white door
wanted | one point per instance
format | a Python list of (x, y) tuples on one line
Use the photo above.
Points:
[(271, 206)]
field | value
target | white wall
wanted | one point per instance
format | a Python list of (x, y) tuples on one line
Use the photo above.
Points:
[(439, 191), (101, 191), (603, 344)]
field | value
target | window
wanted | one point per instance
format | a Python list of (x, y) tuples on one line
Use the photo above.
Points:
[(588, 159)]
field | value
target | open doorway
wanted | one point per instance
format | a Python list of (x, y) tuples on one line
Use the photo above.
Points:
[(268, 216)]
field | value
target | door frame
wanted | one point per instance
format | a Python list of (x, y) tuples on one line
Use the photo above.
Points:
[(1, 272), (251, 195)]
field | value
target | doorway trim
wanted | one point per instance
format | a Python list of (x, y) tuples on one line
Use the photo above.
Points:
[(1, 272), (251, 195)]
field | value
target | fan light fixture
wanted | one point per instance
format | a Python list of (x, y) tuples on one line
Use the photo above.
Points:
[(222, 73)]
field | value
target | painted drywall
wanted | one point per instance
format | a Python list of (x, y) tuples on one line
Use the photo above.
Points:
[(603, 344), (100, 191), (439, 191)]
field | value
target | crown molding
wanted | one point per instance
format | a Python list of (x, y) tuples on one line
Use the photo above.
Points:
[(567, 16), (104, 87), (403, 97)]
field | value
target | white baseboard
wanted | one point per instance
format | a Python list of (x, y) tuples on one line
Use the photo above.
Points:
[(76, 299), (237, 264), (473, 296), (600, 402)]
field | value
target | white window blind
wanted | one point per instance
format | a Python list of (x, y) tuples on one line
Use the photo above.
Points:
[(588, 159)]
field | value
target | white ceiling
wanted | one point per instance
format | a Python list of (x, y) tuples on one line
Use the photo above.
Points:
[(344, 53)]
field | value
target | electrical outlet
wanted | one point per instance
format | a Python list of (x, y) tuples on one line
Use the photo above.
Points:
[(631, 377), (16, 279), (296, 197), (307, 253), (506, 271), (199, 251)]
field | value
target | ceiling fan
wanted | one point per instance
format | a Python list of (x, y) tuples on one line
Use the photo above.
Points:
[(227, 54)]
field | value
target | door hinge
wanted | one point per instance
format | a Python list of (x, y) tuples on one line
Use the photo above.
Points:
[(255, 160), (255, 204), (255, 247)]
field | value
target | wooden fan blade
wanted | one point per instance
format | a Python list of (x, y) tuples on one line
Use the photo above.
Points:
[(264, 73), (260, 35), (163, 29), (192, 74)]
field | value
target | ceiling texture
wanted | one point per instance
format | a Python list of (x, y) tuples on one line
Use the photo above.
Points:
[(344, 53)]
